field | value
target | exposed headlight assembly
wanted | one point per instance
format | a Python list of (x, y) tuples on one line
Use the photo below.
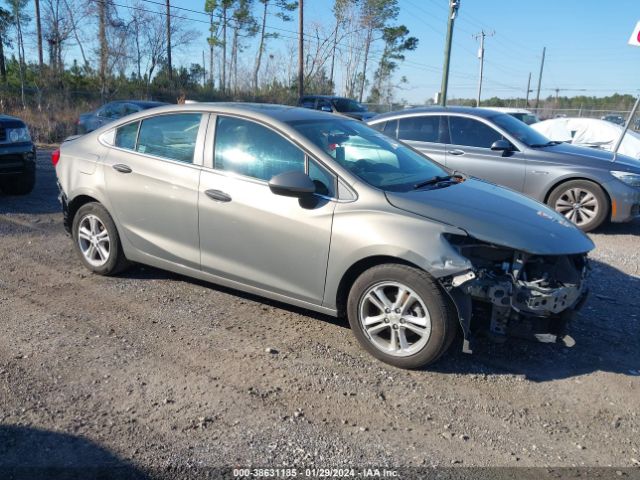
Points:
[(632, 179), (17, 135)]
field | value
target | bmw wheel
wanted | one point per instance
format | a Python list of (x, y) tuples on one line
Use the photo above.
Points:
[(400, 315), (582, 202)]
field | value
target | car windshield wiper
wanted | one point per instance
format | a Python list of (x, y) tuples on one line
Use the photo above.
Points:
[(548, 144), (434, 181)]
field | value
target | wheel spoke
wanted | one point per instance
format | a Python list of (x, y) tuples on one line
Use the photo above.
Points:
[(588, 214), (371, 320), (93, 225), (393, 342), (374, 300), (379, 292), (377, 329), (403, 339), (409, 300), (420, 321), (103, 236), (417, 330), (102, 252), (84, 234)]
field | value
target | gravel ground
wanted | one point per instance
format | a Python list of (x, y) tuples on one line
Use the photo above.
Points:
[(154, 372)]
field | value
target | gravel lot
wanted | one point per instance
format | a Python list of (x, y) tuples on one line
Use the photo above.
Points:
[(155, 372)]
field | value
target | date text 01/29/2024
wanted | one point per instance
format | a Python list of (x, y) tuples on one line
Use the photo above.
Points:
[(314, 473)]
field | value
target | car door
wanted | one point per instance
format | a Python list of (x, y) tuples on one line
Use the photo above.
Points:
[(425, 133), (469, 151), (152, 175), (252, 236)]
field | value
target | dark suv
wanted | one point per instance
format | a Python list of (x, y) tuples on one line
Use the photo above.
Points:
[(17, 157), (343, 105)]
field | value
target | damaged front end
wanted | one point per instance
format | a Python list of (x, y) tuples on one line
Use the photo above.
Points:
[(513, 293)]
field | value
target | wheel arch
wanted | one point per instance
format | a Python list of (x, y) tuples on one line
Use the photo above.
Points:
[(571, 179), (76, 203), (355, 270)]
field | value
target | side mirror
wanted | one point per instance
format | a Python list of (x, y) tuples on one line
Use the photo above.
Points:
[(292, 184), (501, 146), (324, 108)]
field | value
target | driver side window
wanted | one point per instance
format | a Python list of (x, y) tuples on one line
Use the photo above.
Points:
[(471, 133), (252, 150)]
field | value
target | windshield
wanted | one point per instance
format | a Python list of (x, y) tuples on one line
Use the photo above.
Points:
[(375, 158), (519, 130), (525, 117), (347, 105)]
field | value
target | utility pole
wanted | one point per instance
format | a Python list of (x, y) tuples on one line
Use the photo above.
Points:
[(528, 90), (104, 52), (454, 5), (169, 44), (39, 34), (481, 35), (301, 49), (540, 77)]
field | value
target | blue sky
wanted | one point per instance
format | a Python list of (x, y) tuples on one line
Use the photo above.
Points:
[(586, 40), (586, 44)]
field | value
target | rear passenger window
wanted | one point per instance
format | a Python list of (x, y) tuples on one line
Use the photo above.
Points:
[(421, 129), (126, 136), (247, 148), (170, 136)]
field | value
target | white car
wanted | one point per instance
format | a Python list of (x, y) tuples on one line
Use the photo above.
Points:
[(590, 132)]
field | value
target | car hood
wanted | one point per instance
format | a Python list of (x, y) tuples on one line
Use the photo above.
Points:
[(496, 215), (595, 157)]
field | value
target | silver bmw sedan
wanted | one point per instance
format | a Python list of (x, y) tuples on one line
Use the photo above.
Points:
[(325, 213)]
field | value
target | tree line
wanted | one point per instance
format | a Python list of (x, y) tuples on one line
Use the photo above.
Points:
[(125, 47)]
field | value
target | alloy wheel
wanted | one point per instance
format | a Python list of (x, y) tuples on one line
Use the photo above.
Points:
[(578, 205), (394, 318), (94, 241)]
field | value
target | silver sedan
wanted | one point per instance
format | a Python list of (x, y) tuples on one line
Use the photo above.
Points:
[(324, 213)]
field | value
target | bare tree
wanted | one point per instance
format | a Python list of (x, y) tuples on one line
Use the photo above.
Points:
[(283, 7), (19, 19), (58, 28)]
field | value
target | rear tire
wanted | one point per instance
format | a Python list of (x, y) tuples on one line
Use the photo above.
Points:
[(96, 240), (582, 202), (19, 184), (399, 314)]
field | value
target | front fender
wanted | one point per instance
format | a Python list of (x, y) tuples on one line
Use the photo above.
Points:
[(358, 235)]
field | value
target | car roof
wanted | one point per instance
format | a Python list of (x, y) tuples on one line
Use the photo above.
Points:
[(510, 110), (264, 111), (328, 97), (478, 112)]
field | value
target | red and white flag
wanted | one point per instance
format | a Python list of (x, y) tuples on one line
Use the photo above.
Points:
[(635, 36)]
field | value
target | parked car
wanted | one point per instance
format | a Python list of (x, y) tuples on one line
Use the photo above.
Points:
[(590, 132), (343, 105), (325, 213), (17, 157), (617, 119), (521, 114), (111, 111), (581, 183)]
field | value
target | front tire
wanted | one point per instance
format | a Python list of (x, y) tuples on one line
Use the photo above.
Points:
[(582, 202), (96, 240), (399, 315)]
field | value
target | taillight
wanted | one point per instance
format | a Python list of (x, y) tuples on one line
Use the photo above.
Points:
[(55, 157)]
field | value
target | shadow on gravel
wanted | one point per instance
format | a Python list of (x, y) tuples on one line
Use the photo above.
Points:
[(144, 272), (607, 334), (631, 228), (33, 454), (43, 198)]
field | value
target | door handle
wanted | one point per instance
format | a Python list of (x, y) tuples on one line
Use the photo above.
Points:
[(217, 195), (456, 152), (122, 168)]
